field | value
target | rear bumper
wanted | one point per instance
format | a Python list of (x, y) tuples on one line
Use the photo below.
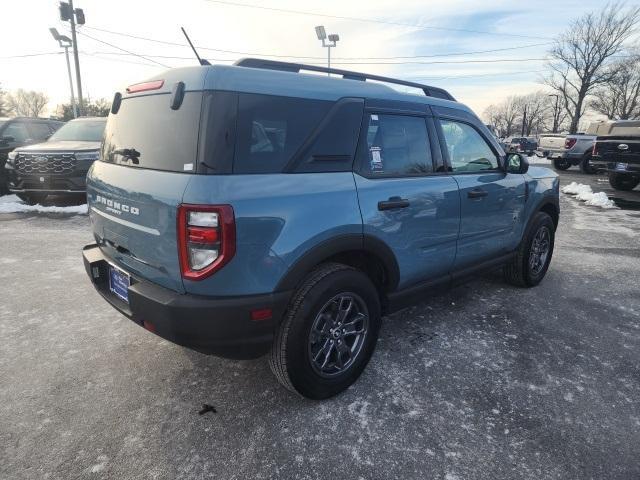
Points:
[(574, 158), (212, 325), (616, 167)]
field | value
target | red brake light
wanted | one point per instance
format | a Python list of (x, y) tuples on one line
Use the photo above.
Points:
[(143, 87), (594, 151), (206, 239), (570, 142)]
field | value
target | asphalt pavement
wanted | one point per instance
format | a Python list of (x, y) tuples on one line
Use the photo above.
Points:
[(486, 381)]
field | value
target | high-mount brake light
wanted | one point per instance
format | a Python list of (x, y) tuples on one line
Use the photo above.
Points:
[(143, 87), (206, 239)]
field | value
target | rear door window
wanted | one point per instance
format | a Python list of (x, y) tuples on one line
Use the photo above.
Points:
[(271, 129), (397, 145), (165, 139)]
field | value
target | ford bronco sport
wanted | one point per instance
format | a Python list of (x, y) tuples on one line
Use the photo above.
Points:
[(252, 209)]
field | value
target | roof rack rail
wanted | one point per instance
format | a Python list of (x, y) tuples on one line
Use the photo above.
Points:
[(346, 74)]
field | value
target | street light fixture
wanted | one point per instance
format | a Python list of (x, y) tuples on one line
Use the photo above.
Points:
[(333, 40), (65, 42)]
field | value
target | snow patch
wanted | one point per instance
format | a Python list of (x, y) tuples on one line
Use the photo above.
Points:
[(12, 204), (584, 193)]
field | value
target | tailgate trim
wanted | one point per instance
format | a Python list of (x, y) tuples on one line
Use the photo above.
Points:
[(126, 223)]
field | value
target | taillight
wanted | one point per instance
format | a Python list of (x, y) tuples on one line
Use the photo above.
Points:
[(570, 142), (206, 239), (594, 151)]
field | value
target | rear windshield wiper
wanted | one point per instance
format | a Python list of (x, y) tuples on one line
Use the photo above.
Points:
[(130, 153)]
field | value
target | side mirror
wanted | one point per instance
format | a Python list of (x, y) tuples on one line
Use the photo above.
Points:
[(516, 163)]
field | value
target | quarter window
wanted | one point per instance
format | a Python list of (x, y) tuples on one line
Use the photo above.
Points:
[(397, 145), (468, 151)]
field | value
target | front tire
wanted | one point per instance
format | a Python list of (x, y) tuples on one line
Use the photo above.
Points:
[(328, 333), (561, 164), (533, 257), (623, 182)]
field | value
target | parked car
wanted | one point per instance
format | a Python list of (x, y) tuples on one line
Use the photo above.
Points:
[(548, 142), (525, 145), (20, 131), (577, 149), (251, 209), (59, 165), (617, 151)]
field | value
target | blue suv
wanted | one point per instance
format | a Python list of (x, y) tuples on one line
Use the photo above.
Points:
[(252, 209)]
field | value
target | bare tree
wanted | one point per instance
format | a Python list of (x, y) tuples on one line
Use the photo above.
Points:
[(522, 114), (620, 97), (3, 108), (24, 103), (579, 56), (503, 116)]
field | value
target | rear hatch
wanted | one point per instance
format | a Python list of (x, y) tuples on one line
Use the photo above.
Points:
[(148, 156), (620, 149)]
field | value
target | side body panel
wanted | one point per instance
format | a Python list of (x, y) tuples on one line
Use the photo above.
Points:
[(279, 218)]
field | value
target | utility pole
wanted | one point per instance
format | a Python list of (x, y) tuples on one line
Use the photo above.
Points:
[(65, 42), (524, 120), (556, 114), (68, 13)]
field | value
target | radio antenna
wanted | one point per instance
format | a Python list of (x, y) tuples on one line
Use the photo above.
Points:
[(200, 60)]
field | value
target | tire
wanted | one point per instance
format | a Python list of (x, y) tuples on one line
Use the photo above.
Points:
[(521, 272), (585, 165), (292, 354), (32, 198), (623, 182), (561, 164)]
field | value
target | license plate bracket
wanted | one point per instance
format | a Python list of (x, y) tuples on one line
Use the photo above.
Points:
[(621, 166), (119, 283)]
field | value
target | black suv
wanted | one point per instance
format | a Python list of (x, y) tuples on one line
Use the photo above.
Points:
[(21, 131), (59, 165)]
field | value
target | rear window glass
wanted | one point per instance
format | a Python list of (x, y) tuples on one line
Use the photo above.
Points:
[(147, 133), (271, 129)]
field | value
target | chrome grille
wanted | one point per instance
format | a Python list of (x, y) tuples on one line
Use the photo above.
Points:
[(45, 163)]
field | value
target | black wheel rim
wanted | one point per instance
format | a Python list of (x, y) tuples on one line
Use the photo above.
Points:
[(540, 248), (338, 334)]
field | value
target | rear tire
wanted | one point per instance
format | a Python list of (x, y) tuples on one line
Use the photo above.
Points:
[(561, 164), (585, 165), (623, 182), (533, 257), (32, 198), (311, 354)]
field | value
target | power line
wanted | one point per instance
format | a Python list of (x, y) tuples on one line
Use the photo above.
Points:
[(97, 56), (33, 55), (119, 48), (370, 20), (236, 52)]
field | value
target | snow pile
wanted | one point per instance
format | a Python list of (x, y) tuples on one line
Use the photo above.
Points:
[(584, 193), (12, 204)]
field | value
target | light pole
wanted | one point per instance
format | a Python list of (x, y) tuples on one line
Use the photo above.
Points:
[(555, 113), (75, 16), (65, 42), (333, 40)]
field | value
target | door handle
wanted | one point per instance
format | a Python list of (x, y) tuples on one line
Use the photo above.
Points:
[(393, 203), (477, 193)]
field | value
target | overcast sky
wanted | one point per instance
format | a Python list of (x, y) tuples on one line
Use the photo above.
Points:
[(373, 35)]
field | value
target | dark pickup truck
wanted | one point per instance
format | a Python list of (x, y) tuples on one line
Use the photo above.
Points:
[(618, 153)]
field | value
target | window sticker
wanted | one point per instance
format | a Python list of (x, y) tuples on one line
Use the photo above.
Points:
[(376, 159), (374, 117), (187, 167)]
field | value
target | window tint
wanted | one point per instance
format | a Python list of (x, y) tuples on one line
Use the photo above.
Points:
[(468, 151), (397, 145), (82, 130), (17, 130), (39, 131), (165, 139), (271, 129)]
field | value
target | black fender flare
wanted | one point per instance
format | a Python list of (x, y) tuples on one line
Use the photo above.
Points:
[(337, 245), (553, 201)]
